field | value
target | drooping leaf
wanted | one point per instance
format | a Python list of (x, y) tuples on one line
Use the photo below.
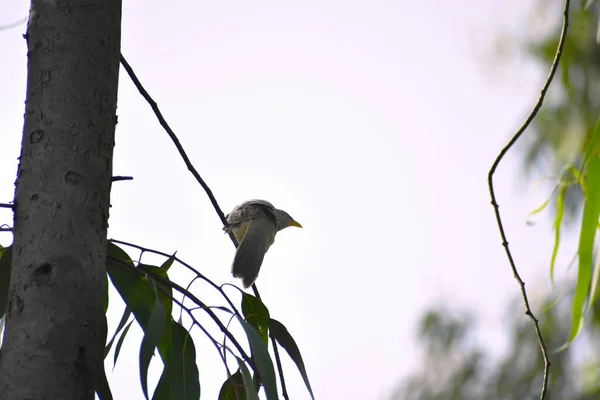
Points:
[(591, 212), (590, 147), (262, 360), (124, 319), (560, 208), (152, 335), (120, 343), (249, 389), (5, 263), (283, 337), (257, 315), (232, 388), (179, 380), (101, 383)]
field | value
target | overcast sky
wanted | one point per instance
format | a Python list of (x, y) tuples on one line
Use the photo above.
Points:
[(372, 123)]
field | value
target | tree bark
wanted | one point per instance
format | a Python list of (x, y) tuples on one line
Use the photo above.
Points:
[(54, 338)]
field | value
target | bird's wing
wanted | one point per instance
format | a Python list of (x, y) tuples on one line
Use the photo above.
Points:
[(251, 251)]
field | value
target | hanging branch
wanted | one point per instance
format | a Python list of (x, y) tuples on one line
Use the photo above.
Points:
[(516, 136)]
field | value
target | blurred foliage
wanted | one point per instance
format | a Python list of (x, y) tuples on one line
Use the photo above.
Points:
[(563, 127), (456, 365)]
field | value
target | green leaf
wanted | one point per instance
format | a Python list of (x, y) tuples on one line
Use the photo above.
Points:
[(249, 390), (5, 263), (262, 360), (257, 315), (167, 264), (120, 343), (153, 333), (545, 203), (232, 388), (179, 380), (590, 147), (283, 337), (102, 387), (124, 319), (591, 212), (560, 208)]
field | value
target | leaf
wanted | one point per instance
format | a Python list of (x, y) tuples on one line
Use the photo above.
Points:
[(120, 343), (262, 360), (283, 337), (591, 212), (124, 319), (167, 264), (179, 380), (231, 389), (590, 147), (257, 315), (249, 390), (5, 264), (153, 333), (560, 208), (101, 383)]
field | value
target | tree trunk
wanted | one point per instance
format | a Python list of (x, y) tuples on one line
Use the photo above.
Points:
[(53, 343)]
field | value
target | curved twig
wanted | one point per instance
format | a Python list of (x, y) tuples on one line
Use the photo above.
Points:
[(513, 140)]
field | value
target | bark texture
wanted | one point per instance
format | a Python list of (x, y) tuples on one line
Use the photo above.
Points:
[(53, 344)]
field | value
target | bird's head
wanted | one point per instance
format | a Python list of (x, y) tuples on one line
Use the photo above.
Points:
[(284, 220)]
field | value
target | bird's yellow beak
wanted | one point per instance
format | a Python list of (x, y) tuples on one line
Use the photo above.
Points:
[(294, 223)]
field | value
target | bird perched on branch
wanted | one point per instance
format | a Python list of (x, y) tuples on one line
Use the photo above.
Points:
[(254, 224)]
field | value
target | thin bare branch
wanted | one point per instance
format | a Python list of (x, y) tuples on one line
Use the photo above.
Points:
[(509, 145), (190, 167)]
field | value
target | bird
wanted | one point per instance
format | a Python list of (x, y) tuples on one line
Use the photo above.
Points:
[(254, 224)]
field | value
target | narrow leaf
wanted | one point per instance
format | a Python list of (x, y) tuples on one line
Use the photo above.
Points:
[(560, 207), (249, 390), (120, 343), (262, 359), (101, 383), (257, 315), (283, 337), (152, 335), (124, 319), (179, 380), (590, 147), (591, 212)]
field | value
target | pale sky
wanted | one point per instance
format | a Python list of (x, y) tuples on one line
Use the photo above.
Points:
[(372, 123)]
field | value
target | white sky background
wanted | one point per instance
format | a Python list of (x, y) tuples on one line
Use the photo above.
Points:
[(373, 123)]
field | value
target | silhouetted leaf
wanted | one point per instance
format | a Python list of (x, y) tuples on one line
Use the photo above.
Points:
[(262, 360), (120, 343), (124, 319), (257, 315), (152, 335), (249, 389), (233, 388), (101, 383), (283, 337), (179, 380)]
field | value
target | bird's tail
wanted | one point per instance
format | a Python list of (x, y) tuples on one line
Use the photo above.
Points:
[(251, 251)]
